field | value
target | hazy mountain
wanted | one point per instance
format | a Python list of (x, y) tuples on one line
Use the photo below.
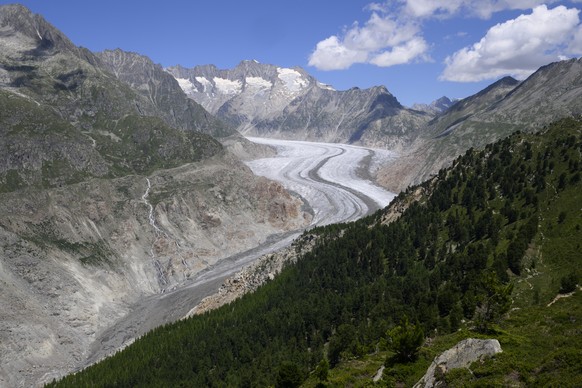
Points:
[(267, 100), (436, 107)]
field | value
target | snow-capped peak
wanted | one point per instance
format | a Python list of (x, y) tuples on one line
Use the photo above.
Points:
[(292, 79), (186, 85)]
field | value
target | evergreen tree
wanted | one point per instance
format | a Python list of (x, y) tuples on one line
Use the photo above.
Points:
[(406, 340), (494, 301), (289, 375)]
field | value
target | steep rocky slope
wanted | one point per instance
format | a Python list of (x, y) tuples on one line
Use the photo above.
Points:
[(111, 188), (552, 92), (266, 100), (151, 81), (65, 117)]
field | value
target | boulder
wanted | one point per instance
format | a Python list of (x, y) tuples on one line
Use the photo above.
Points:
[(461, 355)]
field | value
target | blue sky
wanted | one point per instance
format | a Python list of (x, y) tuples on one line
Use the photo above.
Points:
[(419, 49)]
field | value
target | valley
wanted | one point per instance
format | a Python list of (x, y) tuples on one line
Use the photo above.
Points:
[(135, 194), (334, 182)]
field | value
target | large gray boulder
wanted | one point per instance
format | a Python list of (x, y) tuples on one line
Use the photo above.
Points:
[(461, 355)]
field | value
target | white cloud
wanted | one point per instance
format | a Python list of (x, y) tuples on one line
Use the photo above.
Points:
[(575, 46), (331, 54), (479, 8), (517, 47), (393, 35), (427, 8), (405, 53), (383, 40)]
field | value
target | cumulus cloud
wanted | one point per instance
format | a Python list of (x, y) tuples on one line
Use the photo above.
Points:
[(404, 53), (331, 54), (393, 34), (575, 46), (479, 8), (383, 40), (517, 47)]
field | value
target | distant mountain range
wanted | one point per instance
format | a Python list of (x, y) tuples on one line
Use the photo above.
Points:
[(436, 107), (271, 101)]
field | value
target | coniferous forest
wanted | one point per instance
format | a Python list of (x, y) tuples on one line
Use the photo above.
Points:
[(480, 250)]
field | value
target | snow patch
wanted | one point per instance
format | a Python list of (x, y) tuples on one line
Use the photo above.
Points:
[(226, 86), (258, 83), (292, 79), (205, 83), (186, 85), (325, 86)]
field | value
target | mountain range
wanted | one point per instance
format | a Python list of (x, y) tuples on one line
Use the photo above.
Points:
[(267, 100), (120, 179)]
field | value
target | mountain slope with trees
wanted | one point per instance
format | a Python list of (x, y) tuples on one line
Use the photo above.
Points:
[(481, 249)]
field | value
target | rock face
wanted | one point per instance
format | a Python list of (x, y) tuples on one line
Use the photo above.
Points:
[(73, 259), (266, 100), (111, 189), (151, 81), (461, 355)]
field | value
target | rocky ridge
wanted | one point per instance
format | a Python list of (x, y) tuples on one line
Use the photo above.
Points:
[(164, 92), (506, 106)]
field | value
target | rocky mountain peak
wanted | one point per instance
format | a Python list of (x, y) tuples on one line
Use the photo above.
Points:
[(505, 81), (444, 102), (36, 35), (163, 90), (384, 98), (436, 107)]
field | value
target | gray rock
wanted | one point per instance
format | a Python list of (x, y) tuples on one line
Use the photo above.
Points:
[(461, 355)]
